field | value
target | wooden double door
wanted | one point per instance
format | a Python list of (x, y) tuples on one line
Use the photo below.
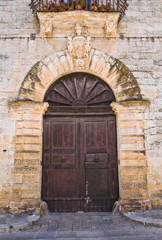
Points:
[(80, 162)]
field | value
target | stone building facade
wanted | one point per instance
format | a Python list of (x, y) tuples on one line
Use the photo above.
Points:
[(126, 55)]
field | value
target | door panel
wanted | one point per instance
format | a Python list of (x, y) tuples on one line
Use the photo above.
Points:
[(60, 173), (79, 163), (100, 163)]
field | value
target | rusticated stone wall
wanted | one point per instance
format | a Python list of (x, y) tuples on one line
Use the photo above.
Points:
[(132, 154), (26, 188), (137, 44)]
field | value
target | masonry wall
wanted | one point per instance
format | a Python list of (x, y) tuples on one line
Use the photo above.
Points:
[(138, 45)]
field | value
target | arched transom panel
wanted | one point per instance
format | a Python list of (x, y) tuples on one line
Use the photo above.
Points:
[(79, 89), (111, 70)]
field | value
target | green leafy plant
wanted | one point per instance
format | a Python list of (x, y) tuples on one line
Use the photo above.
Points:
[(61, 7)]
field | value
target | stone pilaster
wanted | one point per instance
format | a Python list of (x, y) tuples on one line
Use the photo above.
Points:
[(132, 154), (28, 118)]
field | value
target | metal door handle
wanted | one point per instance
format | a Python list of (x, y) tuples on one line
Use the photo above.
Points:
[(63, 159)]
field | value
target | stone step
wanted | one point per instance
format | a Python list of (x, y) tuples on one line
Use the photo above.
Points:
[(107, 238), (121, 235), (83, 235)]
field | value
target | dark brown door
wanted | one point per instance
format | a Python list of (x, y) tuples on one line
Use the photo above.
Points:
[(79, 145), (79, 165)]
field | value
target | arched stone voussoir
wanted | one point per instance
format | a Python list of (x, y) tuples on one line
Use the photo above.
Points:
[(110, 69)]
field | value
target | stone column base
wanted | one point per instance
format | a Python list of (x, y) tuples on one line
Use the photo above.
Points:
[(126, 205)]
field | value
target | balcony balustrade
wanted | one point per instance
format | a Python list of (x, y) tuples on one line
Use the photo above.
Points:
[(72, 5)]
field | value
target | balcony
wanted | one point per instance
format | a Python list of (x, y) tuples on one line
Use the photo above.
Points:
[(119, 6)]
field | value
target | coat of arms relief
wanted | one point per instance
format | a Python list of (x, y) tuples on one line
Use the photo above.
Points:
[(79, 48)]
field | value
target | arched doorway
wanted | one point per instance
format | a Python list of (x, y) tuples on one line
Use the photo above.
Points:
[(79, 145), (130, 109)]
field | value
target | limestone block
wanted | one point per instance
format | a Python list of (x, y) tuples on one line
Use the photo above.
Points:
[(26, 170), (28, 131), (29, 186), (28, 116), (5, 193), (27, 147), (133, 146), (30, 178), (126, 154), (28, 124), (27, 155), (126, 171), (53, 70), (132, 162), (17, 178), (27, 139), (137, 193), (134, 178), (27, 162), (30, 195)]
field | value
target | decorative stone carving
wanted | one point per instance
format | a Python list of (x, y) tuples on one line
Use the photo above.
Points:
[(110, 27), (78, 29), (55, 23), (47, 29), (79, 49)]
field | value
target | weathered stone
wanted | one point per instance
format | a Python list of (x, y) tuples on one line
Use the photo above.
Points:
[(33, 218), (44, 211), (116, 208)]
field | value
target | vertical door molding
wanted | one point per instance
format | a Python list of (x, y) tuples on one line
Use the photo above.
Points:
[(28, 117), (132, 156)]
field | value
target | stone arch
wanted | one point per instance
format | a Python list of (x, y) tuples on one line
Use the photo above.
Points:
[(110, 69)]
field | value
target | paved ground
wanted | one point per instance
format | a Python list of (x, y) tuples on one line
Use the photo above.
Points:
[(82, 226), (147, 218)]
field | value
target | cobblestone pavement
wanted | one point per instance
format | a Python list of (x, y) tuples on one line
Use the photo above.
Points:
[(82, 226)]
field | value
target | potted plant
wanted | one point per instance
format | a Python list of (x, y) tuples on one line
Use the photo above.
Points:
[(103, 8), (94, 7), (70, 6), (52, 7), (44, 8), (61, 7), (79, 4)]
